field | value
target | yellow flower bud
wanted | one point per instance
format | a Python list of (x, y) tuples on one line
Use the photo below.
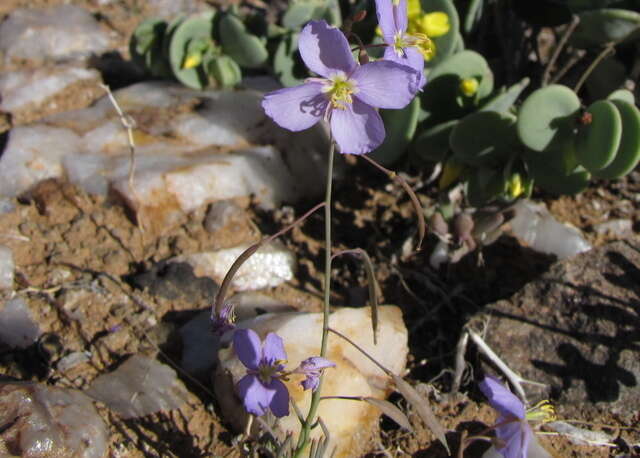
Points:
[(469, 86), (414, 9), (435, 24), (515, 186), (192, 61)]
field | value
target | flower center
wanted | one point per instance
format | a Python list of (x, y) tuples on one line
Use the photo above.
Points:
[(339, 91), (268, 371), (418, 40), (542, 411)]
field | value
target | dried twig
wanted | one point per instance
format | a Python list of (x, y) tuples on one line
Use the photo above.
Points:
[(575, 20)]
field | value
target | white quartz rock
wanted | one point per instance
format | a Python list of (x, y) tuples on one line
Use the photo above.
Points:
[(22, 88), (7, 267), (17, 328), (56, 33), (34, 153), (534, 226), (42, 421), (270, 266), (349, 422), (139, 387)]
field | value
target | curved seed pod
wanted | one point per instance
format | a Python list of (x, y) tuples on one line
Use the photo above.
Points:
[(484, 138), (400, 125), (628, 154), (432, 145), (196, 28), (599, 139), (243, 47), (546, 116)]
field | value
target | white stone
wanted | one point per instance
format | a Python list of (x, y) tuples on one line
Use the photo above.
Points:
[(60, 32), (17, 328), (270, 266), (534, 226), (34, 153), (617, 227), (22, 88), (7, 267), (349, 422), (139, 387), (45, 421)]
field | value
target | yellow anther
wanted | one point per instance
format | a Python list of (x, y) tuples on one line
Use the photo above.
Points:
[(469, 86), (542, 411), (340, 92)]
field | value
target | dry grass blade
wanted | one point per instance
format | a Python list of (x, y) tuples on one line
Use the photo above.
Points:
[(285, 448), (422, 407), (391, 411)]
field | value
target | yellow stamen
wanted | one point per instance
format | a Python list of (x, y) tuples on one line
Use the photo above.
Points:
[(542, 411), (469, 86), (340, 91)]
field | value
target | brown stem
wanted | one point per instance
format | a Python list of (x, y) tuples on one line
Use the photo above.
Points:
[(575, 20), (609, 49)]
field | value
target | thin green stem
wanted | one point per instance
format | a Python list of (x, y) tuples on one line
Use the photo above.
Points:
[(303, 439)]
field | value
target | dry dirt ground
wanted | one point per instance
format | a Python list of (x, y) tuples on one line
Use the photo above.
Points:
[(75, 254)]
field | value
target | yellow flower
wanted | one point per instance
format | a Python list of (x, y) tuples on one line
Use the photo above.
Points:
[(515, 188), (192, 60), (427, 25)]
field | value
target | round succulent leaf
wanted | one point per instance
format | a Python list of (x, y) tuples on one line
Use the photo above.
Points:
[(400, 126), (302, 11), (628, 153), (332, 13), (192, 28), (287, 63), (609, 75), (546, 116), (504, 101), (484, 138), (551, 180), (145, 47), (605, 25), (622, 94), (598, 140), (226, 71), (440, 96), (243, 47), (484, 185), (432, 145), (445, 44)]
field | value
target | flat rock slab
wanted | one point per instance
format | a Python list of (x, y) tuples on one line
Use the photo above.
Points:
[(577, 330)]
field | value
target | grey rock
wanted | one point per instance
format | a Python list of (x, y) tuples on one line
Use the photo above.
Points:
[(40, 421), (577, 330)]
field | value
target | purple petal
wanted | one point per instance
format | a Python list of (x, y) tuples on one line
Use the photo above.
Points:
[(411, 57), (516, 436), (280, 401), (273, 348), (255, 396), (311, 382), (386, 19), (325, 50), (248, 347), (385, 84), (401, 14), (296, 108), (501, 399), (358, 129), (315, 363)]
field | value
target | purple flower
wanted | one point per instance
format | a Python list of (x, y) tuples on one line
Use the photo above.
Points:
[(261, 388), (345, 95), (311, 368), (403, 48), (512, 430), (223, 321)]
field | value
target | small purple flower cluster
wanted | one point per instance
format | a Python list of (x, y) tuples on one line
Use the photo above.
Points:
[(348, 94), (263, 388)]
